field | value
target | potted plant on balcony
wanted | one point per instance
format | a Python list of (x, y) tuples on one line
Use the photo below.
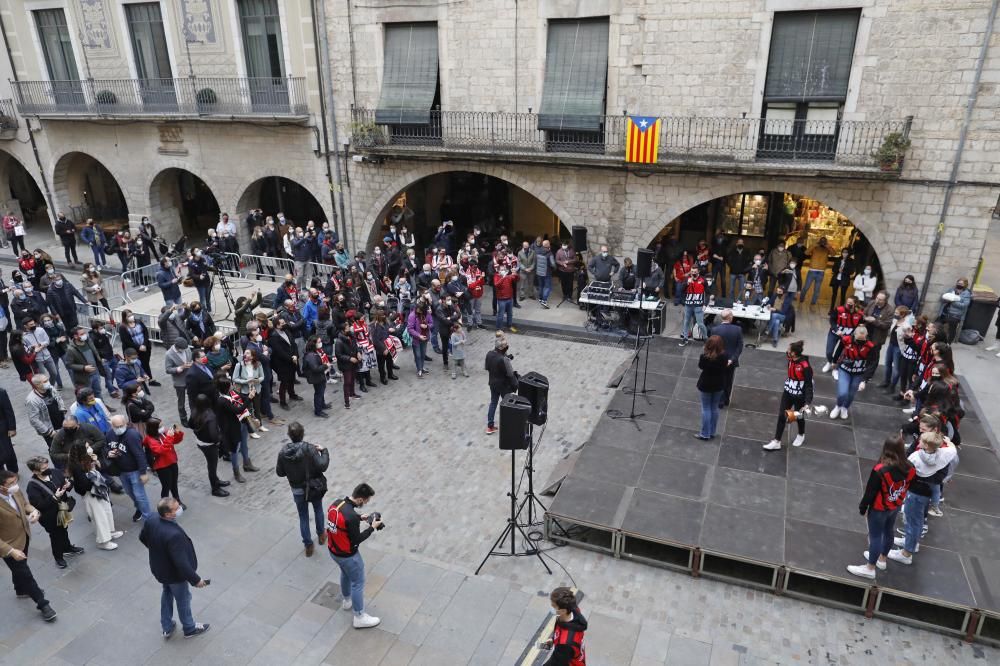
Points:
[(365, 134), (890, 154), (206, 100), (106, 98)]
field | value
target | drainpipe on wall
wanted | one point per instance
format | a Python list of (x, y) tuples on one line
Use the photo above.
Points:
[(322, 111), (31, 135), (328, 105), (957, 160)]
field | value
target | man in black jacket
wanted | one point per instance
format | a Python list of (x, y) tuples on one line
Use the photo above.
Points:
[(199, 378), (8, 429), (174, 565), (732, 336), (344, 536), (503, 379), (738, 260), (66, 230), (304, 464)]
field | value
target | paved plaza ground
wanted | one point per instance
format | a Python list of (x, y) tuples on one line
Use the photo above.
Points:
[(440, 485)]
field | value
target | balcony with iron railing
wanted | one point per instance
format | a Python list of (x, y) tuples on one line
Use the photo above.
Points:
[(8, 119), (192, 97), (846, 147)]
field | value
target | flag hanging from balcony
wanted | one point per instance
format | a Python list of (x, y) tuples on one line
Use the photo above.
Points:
[(642, 139)]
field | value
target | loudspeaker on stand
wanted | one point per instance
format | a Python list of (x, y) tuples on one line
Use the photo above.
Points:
[(535, 387), (515, 422), (580, 238)]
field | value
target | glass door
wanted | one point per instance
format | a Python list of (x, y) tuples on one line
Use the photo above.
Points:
[(64, 78), (152, 59), (260, 26)]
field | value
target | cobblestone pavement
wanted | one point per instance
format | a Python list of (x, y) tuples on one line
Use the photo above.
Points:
[(441, 486)]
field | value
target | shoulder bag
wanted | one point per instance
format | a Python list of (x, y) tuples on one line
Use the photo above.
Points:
[(315, 485), (65, 515)]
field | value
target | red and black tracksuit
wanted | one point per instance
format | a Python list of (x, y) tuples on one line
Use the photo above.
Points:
[(909, 357), (842, 322), (567, 642), (797, 393)]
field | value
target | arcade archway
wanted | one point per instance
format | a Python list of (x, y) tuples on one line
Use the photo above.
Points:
[(19, 193), (469, 199), (275, 193), (766, 220), (181, 203), (85, 188)]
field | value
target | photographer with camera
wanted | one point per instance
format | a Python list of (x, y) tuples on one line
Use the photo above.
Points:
[(503, 379), (344, 533), (304, 464), (198, 271)]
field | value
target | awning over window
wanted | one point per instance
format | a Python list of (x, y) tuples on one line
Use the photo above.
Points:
[(811, 54), (409, 75), (576, 76)]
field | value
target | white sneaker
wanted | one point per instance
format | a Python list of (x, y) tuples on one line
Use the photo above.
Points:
[(998, 355), (909, 410), (254, 435), (835, 412), (346, 604), (896, 555), (935, 511), (773, 445), (107, 545), (799, 440), (879, 564), (843, 413), (861, 570), (992, 348), (365, 621), (264, 429), (118, 534), (901, 542), (827, 366)]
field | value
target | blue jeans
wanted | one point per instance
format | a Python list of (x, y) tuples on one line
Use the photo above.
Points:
[(847, 388), (719, 276), (319, 397), (491, 413), (181, 593), (914, 509), (172, 301), (736, 286), (109, 374), (813, 278), (694, 316), (710, 412), (679, 289), (505, 307), (94, 381), (137, 491), (774, 326), (99, 258), (544, 286), (302, 504), (419, 352), (892, 358), (243, 448), (352, 580), (205, 297), (265, 395), (435, 338), (880, 526)]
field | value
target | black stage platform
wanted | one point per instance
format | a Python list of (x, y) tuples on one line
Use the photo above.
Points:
[(783, 520)]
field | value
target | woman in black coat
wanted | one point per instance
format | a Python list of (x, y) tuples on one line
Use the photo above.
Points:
[(46, 489), (348, 361), (233, 432), (205, 425), (138, 407), (133, 334), (284, 361), (316, 367), (380, 334), (714, 365)]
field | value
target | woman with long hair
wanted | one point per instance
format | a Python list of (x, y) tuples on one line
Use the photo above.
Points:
[(797, 394), (888, 483), (164, 460), (316, 368), (233, 429), (24, 360), (88, 482), (205, 425), (248, 378), (714, 365), (138, 407), (855, 358), (92, 286)]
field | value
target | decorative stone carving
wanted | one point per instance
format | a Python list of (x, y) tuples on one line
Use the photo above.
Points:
[(171, 140), (95, 24), (198, 20)]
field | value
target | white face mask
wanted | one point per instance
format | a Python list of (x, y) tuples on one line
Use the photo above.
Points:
[(868, 271), (13, 489), (791, 265), (83, 337), (140, 394), (120, 430), (179, 512), (46, 386)]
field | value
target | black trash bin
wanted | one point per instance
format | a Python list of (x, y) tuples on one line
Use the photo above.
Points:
[(981, 313)]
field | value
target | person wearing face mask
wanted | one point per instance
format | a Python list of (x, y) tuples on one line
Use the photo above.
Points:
[(907, 294), (843, 320), (37, 342), (738, 260), (819, 259), (475, 282), (83, 361), (198, 271), (842, 276), (284, 360), (864, 285), (777, 262), (348, 361), (46, 490), (503, 288), (316, 369), (302, 251), (878, 316), (59, 298), (756, 281), (346, 530), (128, 462), (527, 260), (177, 361), (66, 230), (102, 343), (694, 306), (26, 304), (16, 518), (74, 432), (8, 430), (141, 253), (199, 322), (603, 266), (133, 334), (954, 307), (168, 282), (379, 265), (138, 407), (130, 371), (853, 364), (797, 395), (447, 314), (92, 287)]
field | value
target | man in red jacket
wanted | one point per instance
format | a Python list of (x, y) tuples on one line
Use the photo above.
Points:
[(503, 284)]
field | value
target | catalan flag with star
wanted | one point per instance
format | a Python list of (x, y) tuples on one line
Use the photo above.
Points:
[(642, 139)]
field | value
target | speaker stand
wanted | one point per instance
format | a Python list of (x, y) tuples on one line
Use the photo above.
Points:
[(513, 528), (616, 414), (530, 499), (645, 366)]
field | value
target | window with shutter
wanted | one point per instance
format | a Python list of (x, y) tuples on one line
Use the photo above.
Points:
[(409, 74), (574, 90)]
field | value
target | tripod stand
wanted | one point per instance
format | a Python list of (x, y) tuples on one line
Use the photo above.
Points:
[(227, 291), (530, 499), (513, 527), (645, 363)]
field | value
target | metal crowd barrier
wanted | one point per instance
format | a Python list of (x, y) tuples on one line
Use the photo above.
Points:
[(324, 270), (152, 324), (257, 267), (139, 279)]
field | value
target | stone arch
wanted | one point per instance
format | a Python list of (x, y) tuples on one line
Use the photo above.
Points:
[(378, 209), (167, 207), (827, 194), (12, 167), (251, 192), (70, 175)]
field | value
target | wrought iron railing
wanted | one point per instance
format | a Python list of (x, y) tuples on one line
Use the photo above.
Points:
[(8, 119), (192, 96), (846, 143)]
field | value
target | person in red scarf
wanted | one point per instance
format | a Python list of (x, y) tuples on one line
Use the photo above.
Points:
[(234, 430), (317, 371), (164, 458), (366, 347)]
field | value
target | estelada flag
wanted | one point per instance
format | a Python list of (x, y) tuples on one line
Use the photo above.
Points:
[(642, 139)]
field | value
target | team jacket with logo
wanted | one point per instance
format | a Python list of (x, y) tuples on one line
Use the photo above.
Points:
[(799, 381), (855, 356), (886, 488), (695, 293), (843, 322)]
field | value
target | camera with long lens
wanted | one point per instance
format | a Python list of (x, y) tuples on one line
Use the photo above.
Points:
[(372, 517)]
